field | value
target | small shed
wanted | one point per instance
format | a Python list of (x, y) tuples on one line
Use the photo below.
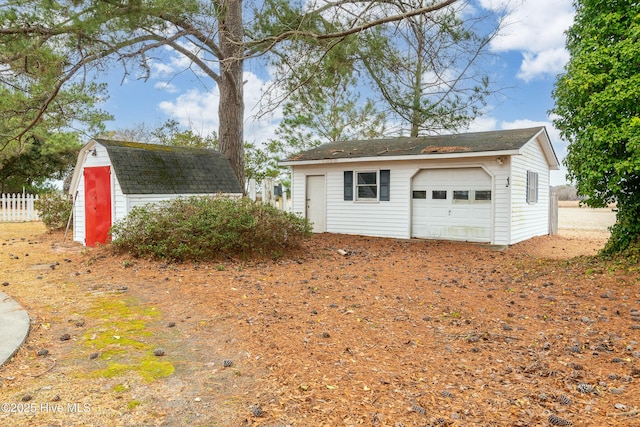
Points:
[(112, 177), (490, 187)]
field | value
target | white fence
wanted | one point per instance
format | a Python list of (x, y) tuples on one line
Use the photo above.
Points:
[(18, 207), (269, 194)]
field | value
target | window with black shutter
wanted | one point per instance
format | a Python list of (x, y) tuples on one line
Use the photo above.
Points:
[(385, 185), (367, 185)]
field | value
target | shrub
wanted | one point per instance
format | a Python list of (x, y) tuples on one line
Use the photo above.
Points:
[(207, 228), (54, 210)]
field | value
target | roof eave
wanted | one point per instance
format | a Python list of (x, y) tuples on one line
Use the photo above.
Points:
[(433, 156), (73, 187), (547, 148)]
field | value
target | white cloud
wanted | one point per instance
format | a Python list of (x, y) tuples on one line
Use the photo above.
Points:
[(535, 28), (174, 64), (483, 123), (166, 86), (194, 109), (549, 61), (198, 110)]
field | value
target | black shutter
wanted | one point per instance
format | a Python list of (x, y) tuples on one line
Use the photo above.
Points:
[(348, 185), (385, 177)]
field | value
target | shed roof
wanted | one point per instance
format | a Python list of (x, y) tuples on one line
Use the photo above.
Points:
[(474, 142), (161, 169)]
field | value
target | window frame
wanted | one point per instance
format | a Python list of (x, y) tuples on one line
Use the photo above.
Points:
[(419, 194), (357, 185), (471, 196), (483, 200), (352, 185), (446, 194), (532, 187), (455, 196)]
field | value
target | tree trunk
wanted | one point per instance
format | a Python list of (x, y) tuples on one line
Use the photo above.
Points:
[(416, 114), (231, 106)]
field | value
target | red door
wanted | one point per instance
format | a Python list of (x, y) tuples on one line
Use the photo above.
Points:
[(97, 204)]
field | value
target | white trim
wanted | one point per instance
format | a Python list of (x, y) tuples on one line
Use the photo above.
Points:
[(406, 157), (547, 149), (82, 156)]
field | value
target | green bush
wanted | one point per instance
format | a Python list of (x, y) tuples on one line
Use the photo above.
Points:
[(54, 210), (207, 228)]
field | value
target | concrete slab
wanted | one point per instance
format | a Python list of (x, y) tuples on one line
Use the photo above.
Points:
[(14, 327)]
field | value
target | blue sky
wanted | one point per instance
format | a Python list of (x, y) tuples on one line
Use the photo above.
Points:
[(529, 55)]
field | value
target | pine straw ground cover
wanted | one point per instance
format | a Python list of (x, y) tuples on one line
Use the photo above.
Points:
[(394, 333)]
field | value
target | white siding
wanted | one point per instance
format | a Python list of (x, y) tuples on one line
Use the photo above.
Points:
[(529, 219), (134, 200), (120, 206), (502, 200), (385, 219), (298, 188), (392, 218)]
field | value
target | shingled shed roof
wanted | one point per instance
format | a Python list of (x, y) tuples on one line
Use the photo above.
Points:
[(161, 169), (475, 142)]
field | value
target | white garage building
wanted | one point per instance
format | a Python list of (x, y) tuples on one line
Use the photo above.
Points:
[(490, 187)]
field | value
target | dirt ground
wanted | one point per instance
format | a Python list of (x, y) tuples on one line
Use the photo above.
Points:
[(394, 333)]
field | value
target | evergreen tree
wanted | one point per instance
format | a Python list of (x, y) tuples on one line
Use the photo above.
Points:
[(53, 42)]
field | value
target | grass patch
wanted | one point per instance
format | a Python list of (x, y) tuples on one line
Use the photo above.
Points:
[(133, 404), (120, 388)]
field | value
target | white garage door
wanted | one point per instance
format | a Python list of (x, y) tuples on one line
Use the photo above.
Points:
[(452, 204)]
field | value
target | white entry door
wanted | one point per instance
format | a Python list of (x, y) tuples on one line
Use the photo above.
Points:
[(316, 202), (452, 204)]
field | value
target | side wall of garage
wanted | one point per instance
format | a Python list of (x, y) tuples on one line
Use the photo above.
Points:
[(529, 218)]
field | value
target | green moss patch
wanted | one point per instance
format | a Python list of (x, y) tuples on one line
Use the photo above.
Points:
[(122, 339)]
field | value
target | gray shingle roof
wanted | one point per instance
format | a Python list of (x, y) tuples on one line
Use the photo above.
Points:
[(475, 142), (161, 169)]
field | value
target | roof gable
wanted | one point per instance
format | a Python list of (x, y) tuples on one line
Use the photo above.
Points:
[(511, 140), (161, 169)]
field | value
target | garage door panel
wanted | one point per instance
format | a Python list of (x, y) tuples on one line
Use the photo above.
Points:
[(448, 219), (438, 213), (437, 232), (460, 213)]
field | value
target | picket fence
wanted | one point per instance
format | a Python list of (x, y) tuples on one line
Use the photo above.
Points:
[(18, 208)]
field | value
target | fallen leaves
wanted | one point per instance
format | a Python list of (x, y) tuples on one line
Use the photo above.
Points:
[(395, 333)]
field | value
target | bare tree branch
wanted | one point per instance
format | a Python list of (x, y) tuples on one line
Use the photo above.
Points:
[(271, 42)]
